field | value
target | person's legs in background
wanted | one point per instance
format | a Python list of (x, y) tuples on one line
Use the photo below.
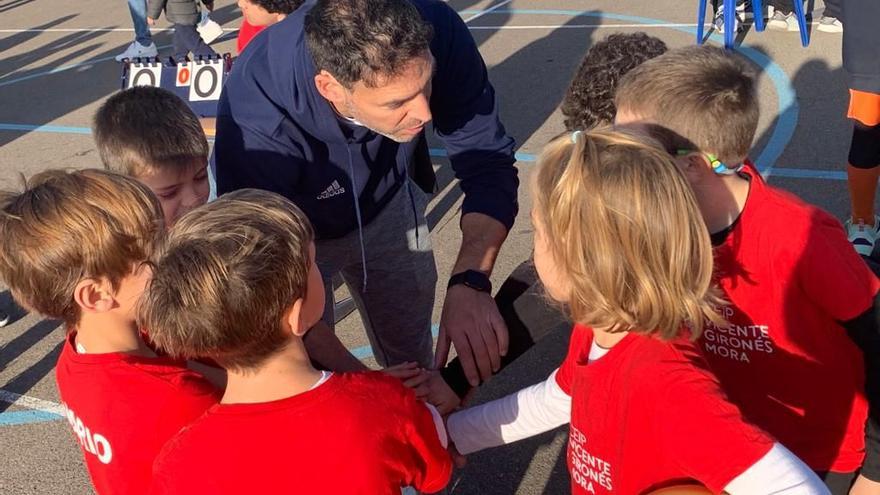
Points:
[(743, 12), (831, 17), (782, 19), (143, 45), (862, 172), (186, 40)]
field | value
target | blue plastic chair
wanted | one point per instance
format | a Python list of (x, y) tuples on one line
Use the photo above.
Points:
[(758, 9)]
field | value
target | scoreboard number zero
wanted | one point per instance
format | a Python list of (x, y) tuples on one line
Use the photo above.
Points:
[(207, 79)]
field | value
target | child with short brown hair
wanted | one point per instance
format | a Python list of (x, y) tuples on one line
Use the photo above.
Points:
[(619, 240), (76, 246), (795, 285), (152, 135), (238, 284)]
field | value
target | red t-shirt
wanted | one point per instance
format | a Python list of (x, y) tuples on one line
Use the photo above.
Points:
[(649, 414), (791, 276), (123, 409), (357, 433), (246, 33)]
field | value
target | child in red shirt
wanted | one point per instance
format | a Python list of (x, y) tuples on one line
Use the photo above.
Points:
[(73, 246), (794, 283), (260, 14), (619, 241), (238, 284)]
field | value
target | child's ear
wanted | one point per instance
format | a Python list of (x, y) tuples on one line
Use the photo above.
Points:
[(695, 166), (295, 318), (94, 295)]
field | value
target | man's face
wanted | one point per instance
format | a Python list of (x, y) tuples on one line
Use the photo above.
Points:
[(178, 191), (397, 108)]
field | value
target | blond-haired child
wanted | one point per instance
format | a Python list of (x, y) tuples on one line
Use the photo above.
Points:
[(619, 240)]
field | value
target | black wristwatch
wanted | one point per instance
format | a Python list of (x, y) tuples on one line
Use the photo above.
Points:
[(478, 281)]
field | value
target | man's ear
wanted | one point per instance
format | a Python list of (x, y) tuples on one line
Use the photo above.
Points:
[(331, 89), (294, 319), (94, 295)]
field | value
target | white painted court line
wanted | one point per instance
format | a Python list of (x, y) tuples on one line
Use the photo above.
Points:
[(91, 30), (490, 9), (32, 402), (587, 26), (475, 28)]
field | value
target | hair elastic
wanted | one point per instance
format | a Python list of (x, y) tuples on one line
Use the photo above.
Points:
[(574, 136)]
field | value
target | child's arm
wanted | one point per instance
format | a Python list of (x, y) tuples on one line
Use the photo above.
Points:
[(839, 281), (779, 472), (531, 411), (863, 330)]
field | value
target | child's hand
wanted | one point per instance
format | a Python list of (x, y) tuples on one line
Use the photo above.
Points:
[(209, 6), (459, 460), (864, 486), (440, 395), (151, 21), (412, 377)]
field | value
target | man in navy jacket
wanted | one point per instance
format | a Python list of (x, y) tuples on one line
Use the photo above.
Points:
[(328, 108)]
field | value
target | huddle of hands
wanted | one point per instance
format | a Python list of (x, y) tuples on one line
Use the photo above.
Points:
[(430, 387)]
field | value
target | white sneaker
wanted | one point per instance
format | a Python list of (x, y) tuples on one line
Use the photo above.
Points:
[(830, 25), (136, 49), (783, 22), (861, 236)]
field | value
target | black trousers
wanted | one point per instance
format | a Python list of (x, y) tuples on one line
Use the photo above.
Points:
[(186, 40)]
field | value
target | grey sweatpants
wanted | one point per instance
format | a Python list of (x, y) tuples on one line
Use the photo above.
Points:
[(397, 302)]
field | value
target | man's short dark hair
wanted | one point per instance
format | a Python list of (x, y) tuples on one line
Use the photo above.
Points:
[(145, 128), (278, 6), (589, 101), (365, 40)]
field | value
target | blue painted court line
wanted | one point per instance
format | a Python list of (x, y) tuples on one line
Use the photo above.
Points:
[(796, 173), (27, 417), (785, 93), (805, 173), (58, 129), (35, 416)]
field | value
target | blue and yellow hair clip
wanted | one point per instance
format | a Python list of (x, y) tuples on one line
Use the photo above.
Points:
[(718, 166)]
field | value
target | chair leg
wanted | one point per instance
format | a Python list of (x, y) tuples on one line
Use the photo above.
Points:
[(701, 20), (729, 22), (758, 10), (802, 22)]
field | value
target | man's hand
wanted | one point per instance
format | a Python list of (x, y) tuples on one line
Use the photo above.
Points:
[(864, 486), (151, 21), (471, 321)]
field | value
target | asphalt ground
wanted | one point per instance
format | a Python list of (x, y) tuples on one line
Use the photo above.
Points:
[(56, 67)]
